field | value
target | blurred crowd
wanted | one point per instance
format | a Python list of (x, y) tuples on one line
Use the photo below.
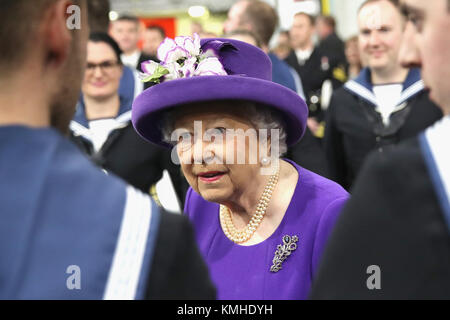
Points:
[(373, 152), (359, 97)]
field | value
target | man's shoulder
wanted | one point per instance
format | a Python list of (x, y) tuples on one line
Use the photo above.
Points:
[(178, 271), (342, 98), (282, 73), (393, 208), (343, 93), (278, 63), (404, 157), (396, 182)]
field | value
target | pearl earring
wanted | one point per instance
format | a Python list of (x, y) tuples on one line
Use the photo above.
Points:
[(265, 161)]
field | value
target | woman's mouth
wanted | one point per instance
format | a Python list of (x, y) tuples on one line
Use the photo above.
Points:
[(99, 84), (211, 176)]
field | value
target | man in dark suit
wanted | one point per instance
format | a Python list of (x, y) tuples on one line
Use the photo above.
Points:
[(311, 64), (125, 30), (333, 48), (392, 239), (69, 231)]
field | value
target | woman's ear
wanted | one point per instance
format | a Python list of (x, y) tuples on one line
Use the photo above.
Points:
[(265, 151)]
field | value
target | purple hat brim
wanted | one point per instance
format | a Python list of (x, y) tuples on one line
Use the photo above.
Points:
[(149, 106)]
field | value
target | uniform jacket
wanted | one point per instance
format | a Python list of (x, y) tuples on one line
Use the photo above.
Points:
[(354, 127), (397, 222), (313, 73), (68, 231), (126, 154)]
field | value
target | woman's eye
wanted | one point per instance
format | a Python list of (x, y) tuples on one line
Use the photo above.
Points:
[(186, 136), (212, 134), (220, 130)]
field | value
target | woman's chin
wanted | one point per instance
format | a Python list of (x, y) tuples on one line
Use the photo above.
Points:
[(217, 195)]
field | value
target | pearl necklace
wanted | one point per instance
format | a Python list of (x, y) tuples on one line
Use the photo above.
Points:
[(244, 235)]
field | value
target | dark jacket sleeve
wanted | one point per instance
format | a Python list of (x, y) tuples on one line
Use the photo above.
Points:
[(178, 271), (308, 153), (333, 145), (393, 221)]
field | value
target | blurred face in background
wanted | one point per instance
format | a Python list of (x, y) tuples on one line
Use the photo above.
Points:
[(284, 39), (152, 39), (323, 29), (126, 34), (234, 20), (301, 32), (352, 51), (381, 27), (244, 38), (427, 45), (103, 72)]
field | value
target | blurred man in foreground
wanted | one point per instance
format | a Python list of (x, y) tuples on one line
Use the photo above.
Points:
[(67, 230), (392, 240)]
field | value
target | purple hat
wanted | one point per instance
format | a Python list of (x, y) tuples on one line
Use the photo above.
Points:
[(218, 69)]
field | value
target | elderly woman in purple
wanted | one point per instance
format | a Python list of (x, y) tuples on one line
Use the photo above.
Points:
[(261, 221)]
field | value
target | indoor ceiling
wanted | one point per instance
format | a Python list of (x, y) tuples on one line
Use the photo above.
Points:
[(148, 6)]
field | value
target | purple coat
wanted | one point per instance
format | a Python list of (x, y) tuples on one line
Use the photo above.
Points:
[(243, 272)]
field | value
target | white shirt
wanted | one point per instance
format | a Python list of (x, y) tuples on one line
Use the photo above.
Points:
[(100, 130), (437, 137), (303, 55), (131, 60), (388, 97)]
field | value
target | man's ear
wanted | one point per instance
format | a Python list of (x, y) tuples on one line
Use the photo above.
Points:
[(56, 34)]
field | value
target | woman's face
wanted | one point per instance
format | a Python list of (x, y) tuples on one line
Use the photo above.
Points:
[(352, 52), (218, 150), (103, 71)]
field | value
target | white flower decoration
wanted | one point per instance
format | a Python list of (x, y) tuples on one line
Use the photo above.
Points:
[(192, 45), (149, 67), (189, 67), (169, 51), (182, 58), (210, 67), (174, 72)]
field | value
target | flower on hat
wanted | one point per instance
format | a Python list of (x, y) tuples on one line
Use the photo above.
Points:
[(181, 57)]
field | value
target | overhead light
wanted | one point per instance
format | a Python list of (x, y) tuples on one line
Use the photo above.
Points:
[(113, 15), (197, 11)]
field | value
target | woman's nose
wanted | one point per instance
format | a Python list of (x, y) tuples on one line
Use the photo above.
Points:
[(98, 72), (203, 151), (197, 150)]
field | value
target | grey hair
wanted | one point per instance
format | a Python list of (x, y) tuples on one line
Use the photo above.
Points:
[(260, 116)]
